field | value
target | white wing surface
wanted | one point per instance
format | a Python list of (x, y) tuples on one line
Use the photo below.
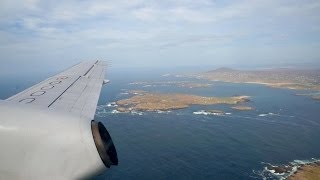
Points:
[(75, 90), (48, 132)]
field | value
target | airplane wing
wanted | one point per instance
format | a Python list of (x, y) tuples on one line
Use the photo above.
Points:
[(75, 90), (48, 131)]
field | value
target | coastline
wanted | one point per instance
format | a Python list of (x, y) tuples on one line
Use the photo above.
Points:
[(307, 172), (296, 170)]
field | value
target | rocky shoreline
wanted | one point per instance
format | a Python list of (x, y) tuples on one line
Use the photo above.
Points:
[(297, 171)]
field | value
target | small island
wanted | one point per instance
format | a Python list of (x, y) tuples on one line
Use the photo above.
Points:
[(242, 108), (312, 95), (147, 101), (316, 97), (210, 112)]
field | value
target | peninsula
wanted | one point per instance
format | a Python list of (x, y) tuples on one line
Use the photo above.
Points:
[(148, 101), (277, 78)]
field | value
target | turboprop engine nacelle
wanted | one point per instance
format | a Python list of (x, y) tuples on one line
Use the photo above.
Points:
[(43, 144)]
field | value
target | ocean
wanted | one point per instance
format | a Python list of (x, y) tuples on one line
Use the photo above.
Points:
[(178, 144)]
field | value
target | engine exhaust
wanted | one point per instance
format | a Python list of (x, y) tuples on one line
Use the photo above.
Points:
[(104, 144)]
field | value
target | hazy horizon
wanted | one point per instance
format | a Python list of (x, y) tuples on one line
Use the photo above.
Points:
[(41, 36), (167, 119)]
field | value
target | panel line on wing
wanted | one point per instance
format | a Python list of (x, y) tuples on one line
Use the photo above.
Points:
[(90, 68), (64, 91)]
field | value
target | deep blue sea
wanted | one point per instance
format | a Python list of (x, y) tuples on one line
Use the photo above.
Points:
[(182, 145)]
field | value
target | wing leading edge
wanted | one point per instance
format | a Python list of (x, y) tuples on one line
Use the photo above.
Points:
[(74, 90)]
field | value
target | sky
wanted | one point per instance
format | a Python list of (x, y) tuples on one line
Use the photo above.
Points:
[(42, 35)]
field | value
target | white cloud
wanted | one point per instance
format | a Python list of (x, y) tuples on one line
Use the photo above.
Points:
[(146, 14), (100, 27)]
